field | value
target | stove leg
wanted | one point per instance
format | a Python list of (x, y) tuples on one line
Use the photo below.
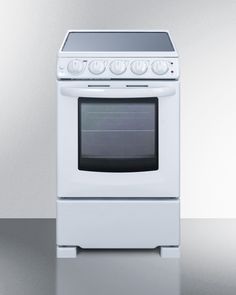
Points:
[(66, 252), (170, 252)]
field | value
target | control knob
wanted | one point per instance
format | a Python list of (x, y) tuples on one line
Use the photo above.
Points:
[(118, 67), (97, 67), (160, 67), (75, 67), (139, 67)]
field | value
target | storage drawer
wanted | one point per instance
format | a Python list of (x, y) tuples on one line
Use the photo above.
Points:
[(117, 223)]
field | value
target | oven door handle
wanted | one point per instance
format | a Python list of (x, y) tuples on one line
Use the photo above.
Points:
[(118, 92)]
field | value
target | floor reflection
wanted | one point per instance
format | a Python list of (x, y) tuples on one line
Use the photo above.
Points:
[(118, 272), (28, 264)]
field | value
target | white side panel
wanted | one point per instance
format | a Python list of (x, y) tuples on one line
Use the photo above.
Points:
[(117, 223)]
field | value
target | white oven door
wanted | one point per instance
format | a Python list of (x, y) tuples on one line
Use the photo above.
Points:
[(118, 141)]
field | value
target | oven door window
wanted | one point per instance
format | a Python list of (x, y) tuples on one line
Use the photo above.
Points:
[(118, 135)]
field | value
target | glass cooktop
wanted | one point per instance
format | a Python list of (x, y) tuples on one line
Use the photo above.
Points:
[(118, 41)]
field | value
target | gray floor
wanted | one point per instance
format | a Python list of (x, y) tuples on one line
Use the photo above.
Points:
[(28, 264)]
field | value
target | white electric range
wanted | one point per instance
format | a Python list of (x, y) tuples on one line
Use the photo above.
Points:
[(118, 142)]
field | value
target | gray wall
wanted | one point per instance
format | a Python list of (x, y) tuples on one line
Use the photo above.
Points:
[(31, 32)]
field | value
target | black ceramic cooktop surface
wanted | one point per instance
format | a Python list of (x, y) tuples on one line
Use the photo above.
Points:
[(118, 41)]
